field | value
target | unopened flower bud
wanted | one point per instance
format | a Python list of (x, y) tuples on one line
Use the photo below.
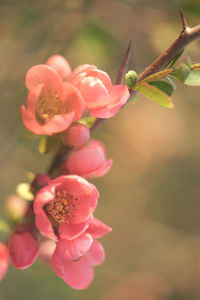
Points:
[(77, 135), (4, 260), (23, 249), (131, 79), (39, 182)]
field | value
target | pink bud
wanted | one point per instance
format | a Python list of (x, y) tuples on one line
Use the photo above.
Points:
[(39, 182), (23, 249), (60, 65), (4, 262), (77, 135)]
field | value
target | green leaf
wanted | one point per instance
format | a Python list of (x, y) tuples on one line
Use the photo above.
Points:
[(156, 76), (182, 72), (163, 86), (23, 190), (154, 94), (87, 121), (47, 144), (193, 78), (174, 60)]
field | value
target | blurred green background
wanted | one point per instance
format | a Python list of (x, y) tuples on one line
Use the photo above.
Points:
[(151, 196)]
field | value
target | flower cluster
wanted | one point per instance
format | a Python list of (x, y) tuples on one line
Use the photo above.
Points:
[(64, 230)]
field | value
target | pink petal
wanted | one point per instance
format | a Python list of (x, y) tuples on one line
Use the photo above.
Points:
[(4, 260), (30, 122), (94, 92), (118, 98), (98, 229), (73, 100), (103, 76), (58, 123), (32, 99), (44, 195), (60, 65), (78, 274), (100, 171), (71, 231), (73, 249), (23, 249), (96, 254), (43, 224), (43, 74), (81, 69)]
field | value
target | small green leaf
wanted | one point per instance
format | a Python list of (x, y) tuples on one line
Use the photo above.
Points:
[(87, 121), (182, 72), (163, 86), (174, 60), (193, 78), (131, 79), (156, 76), (23, 190), (47, 144), (154, 94)]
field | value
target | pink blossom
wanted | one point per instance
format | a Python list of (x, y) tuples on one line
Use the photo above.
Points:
[(39, 181), (60, 65), (52, 105), (88, 161), (69, 202), (23, 249), (102, 98), (47, 248), (4, 260), (73, 260), (76, 136)]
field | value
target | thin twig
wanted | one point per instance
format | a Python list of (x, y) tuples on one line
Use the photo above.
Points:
[(183, 19)]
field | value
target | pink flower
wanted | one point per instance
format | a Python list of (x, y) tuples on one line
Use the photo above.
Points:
[(47, 248), (4, 260), (23, 249), (88, 161), (76, 136), (102, 98), (69, 202), (73, 260), (52, 105), (60, 65)]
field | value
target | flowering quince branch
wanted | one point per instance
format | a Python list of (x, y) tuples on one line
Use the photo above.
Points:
[(64, 108)]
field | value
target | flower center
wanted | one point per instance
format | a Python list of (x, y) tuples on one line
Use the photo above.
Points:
[(63, 207), (48, 106)]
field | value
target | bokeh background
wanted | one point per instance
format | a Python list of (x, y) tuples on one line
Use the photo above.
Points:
[(151, 197)]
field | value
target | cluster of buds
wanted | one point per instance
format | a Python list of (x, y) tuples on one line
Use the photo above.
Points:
[(64, 206)]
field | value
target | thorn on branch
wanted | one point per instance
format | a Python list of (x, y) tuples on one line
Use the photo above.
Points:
[(124, 64), (183, 19)]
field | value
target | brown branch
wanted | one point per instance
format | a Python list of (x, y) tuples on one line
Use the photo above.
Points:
[(186, 36)]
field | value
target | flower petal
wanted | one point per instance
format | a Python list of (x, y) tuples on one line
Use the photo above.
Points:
[(96, 254), (32, 99), (100, 171), (73, 100), (118, 98), (81, 69), (72, 231), (94, 92), (43, 224), (60, 65), (98, 229), (43, 74), (58, 123), (73, 249)]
